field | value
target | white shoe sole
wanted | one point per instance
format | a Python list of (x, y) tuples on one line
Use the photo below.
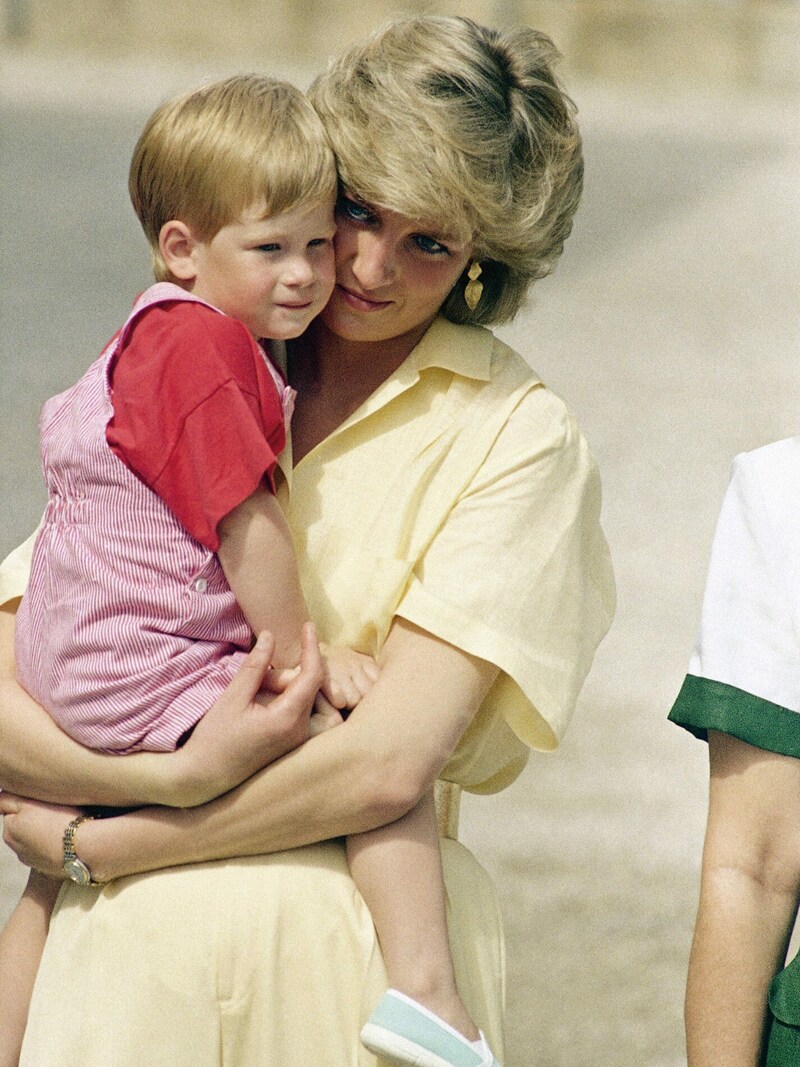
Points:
[(394, 1047)]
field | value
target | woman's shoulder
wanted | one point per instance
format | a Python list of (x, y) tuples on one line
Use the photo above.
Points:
[(510, 383), (477, 352), (537, 409)]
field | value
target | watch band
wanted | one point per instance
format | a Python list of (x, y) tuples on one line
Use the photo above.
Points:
[(75, 868)]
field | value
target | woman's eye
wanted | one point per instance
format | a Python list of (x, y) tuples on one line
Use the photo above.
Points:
[(430, 246), (351, 209)]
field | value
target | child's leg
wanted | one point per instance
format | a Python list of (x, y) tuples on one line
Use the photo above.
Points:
[(21, 945), (398, 871)]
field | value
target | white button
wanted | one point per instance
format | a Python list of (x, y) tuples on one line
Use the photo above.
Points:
[(200, 585)]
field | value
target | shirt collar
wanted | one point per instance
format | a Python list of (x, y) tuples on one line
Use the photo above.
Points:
[(464, 350)]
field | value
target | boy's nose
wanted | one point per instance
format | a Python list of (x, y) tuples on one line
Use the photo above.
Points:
[(300, 272)]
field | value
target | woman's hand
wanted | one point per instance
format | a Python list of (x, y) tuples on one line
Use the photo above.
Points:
[(249, 727), (35, 831), (246, 729)]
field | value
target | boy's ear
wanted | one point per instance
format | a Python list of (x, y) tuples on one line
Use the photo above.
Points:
[(178, 244)]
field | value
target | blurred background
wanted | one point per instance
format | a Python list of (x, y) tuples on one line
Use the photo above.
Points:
[(671, 327)]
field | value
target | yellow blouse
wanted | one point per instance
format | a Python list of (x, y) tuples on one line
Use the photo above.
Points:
[(462, 497)]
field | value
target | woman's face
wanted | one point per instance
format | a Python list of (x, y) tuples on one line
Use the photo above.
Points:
[(393, 273)]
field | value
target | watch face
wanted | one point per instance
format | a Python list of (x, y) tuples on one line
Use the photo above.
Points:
[(78, 871)]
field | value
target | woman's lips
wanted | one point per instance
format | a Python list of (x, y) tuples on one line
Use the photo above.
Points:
[(361, 303)]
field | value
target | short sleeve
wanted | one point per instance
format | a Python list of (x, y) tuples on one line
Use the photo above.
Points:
[(520, 573), (197, 416), (744, 673)]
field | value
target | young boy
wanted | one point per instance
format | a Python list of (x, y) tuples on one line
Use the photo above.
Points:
[(163, 548)]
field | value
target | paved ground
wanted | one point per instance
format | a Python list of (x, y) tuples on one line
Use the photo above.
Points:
[(672, 328)]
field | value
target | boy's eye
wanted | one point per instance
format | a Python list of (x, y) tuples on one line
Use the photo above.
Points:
[(316, 242), (429, 245), (269, 248)]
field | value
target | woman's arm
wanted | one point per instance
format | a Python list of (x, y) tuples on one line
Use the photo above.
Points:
[(748, 900), (233, 740), (363, 774)]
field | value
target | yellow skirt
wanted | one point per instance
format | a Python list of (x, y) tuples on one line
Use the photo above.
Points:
[(270, 961)]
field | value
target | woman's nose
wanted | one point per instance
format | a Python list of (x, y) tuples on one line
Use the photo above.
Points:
[(375, 262)]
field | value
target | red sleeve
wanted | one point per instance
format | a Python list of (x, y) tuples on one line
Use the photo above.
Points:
[(197, 416)]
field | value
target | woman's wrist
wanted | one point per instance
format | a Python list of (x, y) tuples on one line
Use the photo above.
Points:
[(82, 840), (183, 780), (144, 840), (101, 845)]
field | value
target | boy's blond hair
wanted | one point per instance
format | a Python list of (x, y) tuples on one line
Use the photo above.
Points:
[(210, 154), (467, 128)]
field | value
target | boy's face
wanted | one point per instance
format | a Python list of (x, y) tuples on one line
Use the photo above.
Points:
[(272, 274)]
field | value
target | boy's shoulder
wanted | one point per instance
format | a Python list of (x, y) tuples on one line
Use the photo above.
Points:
[(197, 324), (177, 341), (168, 306)]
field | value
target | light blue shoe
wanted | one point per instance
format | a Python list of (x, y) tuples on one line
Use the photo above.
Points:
[(404, 1031)]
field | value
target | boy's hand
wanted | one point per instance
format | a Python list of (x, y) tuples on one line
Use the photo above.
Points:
[(348, 676), (324, 716)]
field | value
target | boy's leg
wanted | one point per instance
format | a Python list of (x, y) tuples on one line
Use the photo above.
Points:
[(398, 871), (21, 945)]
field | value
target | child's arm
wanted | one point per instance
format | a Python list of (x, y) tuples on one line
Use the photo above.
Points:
[(257, 556), (21, 945)]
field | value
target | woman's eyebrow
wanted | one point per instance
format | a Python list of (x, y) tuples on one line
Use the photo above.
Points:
[(448, 239)]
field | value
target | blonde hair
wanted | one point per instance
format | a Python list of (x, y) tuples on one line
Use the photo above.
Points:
[(467, 128), (208, 155)]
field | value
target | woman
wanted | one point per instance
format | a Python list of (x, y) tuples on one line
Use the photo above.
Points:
[(742, 694), (445, 509)]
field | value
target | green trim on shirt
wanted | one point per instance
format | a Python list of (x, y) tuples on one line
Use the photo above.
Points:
[(704, 704)]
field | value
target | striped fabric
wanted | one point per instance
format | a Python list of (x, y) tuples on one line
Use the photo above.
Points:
[(128, 631)]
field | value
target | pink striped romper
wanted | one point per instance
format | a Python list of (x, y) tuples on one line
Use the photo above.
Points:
[(128, 630)]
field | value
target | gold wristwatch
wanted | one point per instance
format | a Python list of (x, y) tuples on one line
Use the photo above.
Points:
[(75, 868)]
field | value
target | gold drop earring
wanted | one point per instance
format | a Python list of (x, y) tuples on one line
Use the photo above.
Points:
[(473, 288)]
